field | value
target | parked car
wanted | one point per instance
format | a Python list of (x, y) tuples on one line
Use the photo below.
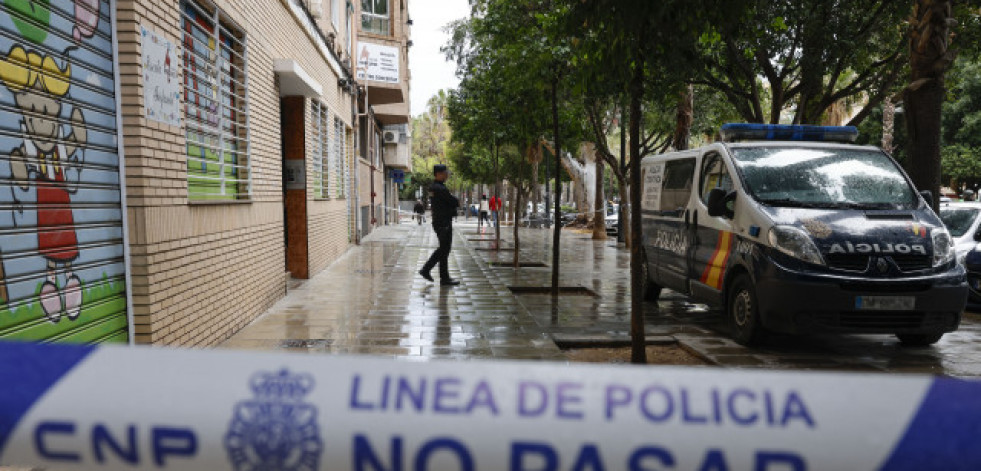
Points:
[(972, 261), (568, 217), (536, 220), (613, 219), (962, 221)]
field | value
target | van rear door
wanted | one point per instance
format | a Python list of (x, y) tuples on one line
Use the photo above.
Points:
[(672, 229)]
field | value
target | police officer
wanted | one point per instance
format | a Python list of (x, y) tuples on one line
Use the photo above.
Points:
[(443, 206)]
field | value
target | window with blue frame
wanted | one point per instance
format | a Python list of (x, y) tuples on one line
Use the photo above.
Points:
[(215, 105)]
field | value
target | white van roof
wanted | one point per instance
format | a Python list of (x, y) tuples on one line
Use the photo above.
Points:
[(756, 144)]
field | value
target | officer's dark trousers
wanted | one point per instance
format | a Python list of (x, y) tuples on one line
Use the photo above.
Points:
[(440, 256)]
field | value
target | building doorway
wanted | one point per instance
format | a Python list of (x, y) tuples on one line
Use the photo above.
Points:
[(292, 127)]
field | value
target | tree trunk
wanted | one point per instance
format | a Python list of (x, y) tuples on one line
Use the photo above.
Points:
[(685, 116), (517, 215), (4, 297), (497, 194), (929, 60), (599, 212), (888, 123), (536, 187), (625, 213), (557, 230), (638, 350), (623, 235)]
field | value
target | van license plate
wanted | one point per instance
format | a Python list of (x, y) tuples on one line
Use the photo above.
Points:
[(885, 303)]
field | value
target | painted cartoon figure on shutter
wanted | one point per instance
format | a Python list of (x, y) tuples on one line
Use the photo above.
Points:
[(50, 157)]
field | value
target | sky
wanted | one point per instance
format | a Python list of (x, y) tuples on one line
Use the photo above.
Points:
[(430, 70)]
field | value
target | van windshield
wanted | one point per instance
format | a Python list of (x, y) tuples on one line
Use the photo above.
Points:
[(823, 178)]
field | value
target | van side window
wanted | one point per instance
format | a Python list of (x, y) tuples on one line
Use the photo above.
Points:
[(676, 192), (715, 174)]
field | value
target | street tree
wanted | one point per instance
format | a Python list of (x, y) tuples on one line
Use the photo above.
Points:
[(644, 50), (510, 66), (799, 57), (930, 55), (430, 137)]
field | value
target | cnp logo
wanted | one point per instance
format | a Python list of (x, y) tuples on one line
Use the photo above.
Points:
[(66, 441), (275, 429)]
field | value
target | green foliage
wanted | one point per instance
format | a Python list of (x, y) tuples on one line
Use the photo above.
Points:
[(961, 163), (791, 60), (430, 138), (509, 54), (962, 111)]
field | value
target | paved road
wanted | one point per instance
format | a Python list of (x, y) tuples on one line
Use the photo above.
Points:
[(372, 301)]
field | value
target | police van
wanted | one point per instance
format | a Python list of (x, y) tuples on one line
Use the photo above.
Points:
[(795, 229)]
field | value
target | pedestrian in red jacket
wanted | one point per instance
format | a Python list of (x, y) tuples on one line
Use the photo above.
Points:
[(495, 207)]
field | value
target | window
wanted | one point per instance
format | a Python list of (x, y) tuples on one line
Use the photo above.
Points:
[(348, 26), (374, 17), (320, 140), (714, 175), (676, 191), (215, 106), (340, 158)]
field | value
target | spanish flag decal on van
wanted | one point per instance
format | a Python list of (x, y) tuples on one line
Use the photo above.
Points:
[(712, 276), (918, 229)]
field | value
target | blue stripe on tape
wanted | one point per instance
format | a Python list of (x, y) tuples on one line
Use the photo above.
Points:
[(944, 433), (36, 368)]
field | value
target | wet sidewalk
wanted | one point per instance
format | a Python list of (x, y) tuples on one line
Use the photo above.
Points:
[(372, 301)]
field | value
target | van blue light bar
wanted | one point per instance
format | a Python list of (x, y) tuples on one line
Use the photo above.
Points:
[(782, 132)]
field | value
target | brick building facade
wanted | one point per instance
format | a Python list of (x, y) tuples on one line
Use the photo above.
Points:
[(205, 151)]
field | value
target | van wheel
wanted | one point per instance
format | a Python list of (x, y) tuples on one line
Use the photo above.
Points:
[(918, 340), (650, 290), (743, 312)]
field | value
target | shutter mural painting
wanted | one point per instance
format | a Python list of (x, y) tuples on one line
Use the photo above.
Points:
[(62, 272)]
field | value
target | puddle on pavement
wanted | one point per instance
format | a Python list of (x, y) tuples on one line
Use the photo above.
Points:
[(563, 290), (520, 264), (656, 355)]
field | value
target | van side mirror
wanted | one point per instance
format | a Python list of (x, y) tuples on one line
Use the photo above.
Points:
[(977, 235), (928, 196), (719, 202)]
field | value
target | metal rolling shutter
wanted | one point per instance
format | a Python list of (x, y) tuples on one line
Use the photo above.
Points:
[(61, 230)]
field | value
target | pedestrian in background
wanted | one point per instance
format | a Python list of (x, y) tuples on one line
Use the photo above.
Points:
[(495, 207), (484, 211), (420, 210), (444, 206)]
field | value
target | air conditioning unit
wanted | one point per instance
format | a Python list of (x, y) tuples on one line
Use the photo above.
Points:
[(392, 137)]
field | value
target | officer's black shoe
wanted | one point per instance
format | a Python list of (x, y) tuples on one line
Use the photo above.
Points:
[(426, 275), (448, 282)]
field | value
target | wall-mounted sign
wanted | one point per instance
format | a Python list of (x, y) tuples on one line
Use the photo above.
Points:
[(161, 79), (295, 174), (378, 63)]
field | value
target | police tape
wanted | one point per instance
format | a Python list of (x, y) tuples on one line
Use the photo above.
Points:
[(146, 408)]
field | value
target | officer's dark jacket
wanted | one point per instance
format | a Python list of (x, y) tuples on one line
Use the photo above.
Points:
[(443, 204)]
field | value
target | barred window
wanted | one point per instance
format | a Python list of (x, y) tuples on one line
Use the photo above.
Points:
[(215, 105), (340, 159), (321, 148)]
